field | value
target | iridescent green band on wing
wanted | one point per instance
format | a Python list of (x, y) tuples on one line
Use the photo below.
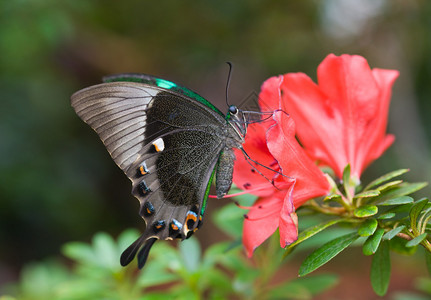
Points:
[(162, 83), (207, 191)]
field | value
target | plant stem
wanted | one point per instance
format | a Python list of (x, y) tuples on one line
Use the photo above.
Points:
[(427, 245), (409, 236), (338, 211), (268, 264)]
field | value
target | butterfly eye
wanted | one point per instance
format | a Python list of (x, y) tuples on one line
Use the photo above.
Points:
[(233, 110)]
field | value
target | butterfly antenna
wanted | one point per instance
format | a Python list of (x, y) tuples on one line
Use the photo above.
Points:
[(228, 81)]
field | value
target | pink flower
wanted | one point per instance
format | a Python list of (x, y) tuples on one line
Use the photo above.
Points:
[(342, 119), (273, 144)]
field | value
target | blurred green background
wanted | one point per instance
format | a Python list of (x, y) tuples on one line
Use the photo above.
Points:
[(58, 183)]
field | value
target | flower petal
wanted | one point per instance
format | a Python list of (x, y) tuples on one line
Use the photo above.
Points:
[(269, 96), (288, 224), (343, 119), (380, 141), (318, 123), (262, 221), (349, 84), (245, 175), (294, 162)]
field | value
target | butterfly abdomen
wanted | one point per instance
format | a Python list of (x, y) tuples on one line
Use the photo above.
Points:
[(224, 171)]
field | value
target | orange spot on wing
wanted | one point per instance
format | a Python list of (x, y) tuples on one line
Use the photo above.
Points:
[(191, 217), (142, 170)]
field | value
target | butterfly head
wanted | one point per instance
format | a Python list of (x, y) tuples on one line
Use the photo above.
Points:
[(237, 120)]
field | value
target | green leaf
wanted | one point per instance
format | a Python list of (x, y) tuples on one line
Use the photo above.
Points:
[(385, 178), (391, 233), (381, 269), (402, 190), (43, 280), (322, 238), (346, 180), (290, 290), (318, 283), (368, 227), (105, 250), (346, 174), (80, 252), (191, 253), (400, 209), (230, 219), (219, 286), (425, 218), (386, 216), (333, 197), (388, 185), (372, 243), (325, 253), (397, 201), (367, 194), (304, 287), (417, 207), (126, 238), (415, 211), (164, 265), (416, 241), (309, 232), (399, 245), (244, 280), (365, 211), (155, 274)]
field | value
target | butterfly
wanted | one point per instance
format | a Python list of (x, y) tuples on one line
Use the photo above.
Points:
[(171, 143)]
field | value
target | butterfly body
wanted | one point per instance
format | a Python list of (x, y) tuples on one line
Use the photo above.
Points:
[(170, 142)]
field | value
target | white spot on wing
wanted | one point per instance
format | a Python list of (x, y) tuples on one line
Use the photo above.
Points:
[(159, 145)]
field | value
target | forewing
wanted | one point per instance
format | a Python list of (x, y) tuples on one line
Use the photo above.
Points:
[(117, 112)]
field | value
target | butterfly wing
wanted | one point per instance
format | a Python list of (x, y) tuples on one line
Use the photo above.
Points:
[(167, 143)]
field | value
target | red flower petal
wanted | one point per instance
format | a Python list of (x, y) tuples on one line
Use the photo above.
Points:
[(264, 218), (303, 100), (343, 119), (245, 175), (294, 162), (379, 141), (269, 97), (276, 207), (288, 224)]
